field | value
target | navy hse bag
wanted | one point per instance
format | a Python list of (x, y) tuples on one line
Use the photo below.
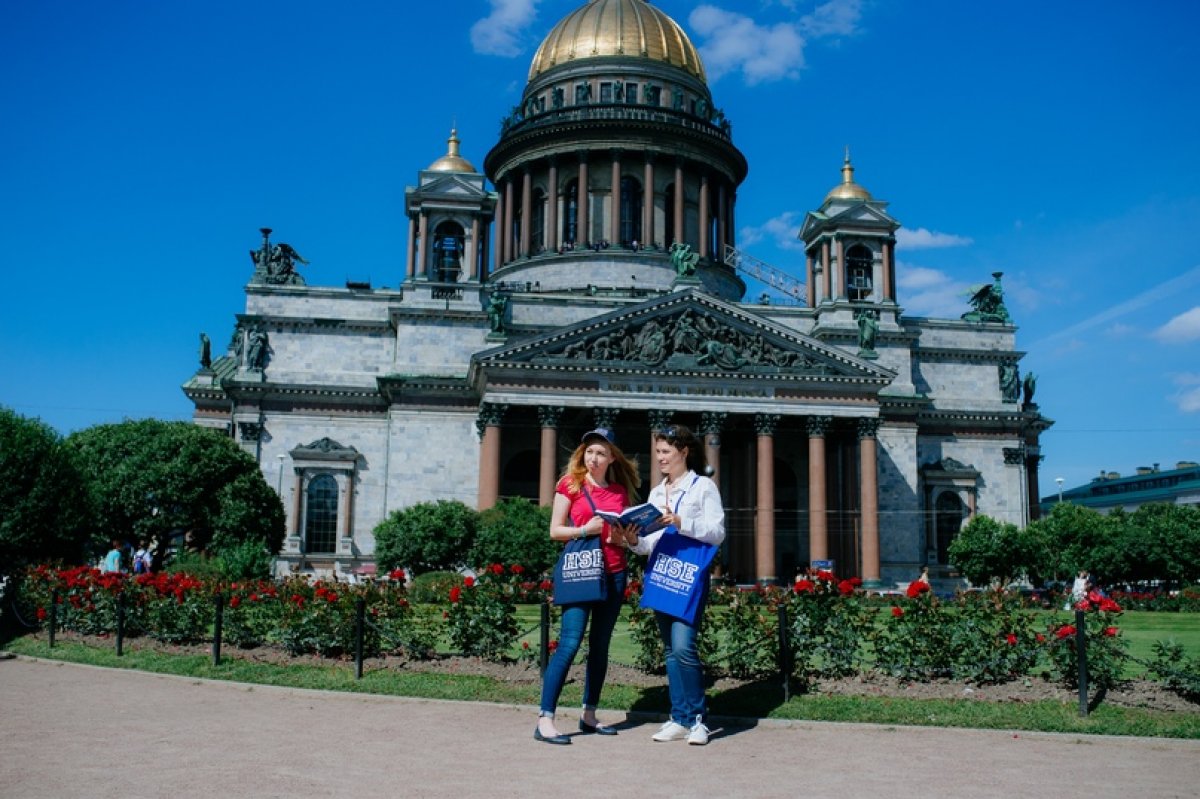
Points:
[(677, 575), (579, 572)]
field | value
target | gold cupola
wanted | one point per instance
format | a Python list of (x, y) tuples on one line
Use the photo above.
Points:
[(452, 161), (848, 189), (606, 28)]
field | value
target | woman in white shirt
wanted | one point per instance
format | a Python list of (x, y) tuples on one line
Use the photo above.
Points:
[(691, 503)]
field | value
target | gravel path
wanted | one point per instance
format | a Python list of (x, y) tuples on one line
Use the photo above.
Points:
[(79, 731)]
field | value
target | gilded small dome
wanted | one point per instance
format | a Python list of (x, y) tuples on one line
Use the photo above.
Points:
[(452, 161), (617, 28), (848, 189)]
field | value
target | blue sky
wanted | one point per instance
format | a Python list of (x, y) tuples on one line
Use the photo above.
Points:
[(144, 144)]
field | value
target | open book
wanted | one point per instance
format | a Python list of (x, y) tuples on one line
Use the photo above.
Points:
[(647, 517)]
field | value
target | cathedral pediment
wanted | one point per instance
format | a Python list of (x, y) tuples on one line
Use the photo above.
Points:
[(688, 335), (861, 215), (450, 184)]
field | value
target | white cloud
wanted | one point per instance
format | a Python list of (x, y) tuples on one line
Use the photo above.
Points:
[(1169, 288), (782, 231), (929, 292), (1188, 398), (835, 18), (736, 43), (922, 239), (500, 32), (1185, 327)]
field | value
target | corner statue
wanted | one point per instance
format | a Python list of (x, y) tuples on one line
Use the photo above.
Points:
[(205, 352), (276, 264), (988, 302), (684, 259), (868, 329), (497, 305)]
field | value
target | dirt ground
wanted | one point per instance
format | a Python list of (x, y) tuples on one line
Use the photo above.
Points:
[(81, 731)]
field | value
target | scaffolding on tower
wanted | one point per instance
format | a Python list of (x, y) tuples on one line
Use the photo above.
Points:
[(765, 273)]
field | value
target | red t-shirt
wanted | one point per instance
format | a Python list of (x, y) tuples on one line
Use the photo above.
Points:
[(613, 498)]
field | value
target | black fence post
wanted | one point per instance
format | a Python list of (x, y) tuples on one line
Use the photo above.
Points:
[(785, 653), (218, 624), (1081, 660), (120, 625), (544, 642), (53, 615), (360, 618)]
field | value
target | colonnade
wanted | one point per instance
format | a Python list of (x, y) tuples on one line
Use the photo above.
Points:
[(490, 425), (712, 196)]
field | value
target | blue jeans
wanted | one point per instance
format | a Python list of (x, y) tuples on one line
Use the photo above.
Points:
[(570, 636), (685, 672)]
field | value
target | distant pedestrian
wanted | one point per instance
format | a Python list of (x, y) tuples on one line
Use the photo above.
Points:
[(112, 561)]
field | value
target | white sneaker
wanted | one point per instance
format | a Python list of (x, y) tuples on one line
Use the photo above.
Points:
[(698, 736), (671, 731)]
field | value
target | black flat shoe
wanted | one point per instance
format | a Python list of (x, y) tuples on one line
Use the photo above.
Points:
[(550, 739), (597, 729)]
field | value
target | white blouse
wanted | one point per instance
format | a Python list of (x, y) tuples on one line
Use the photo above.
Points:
[(701, 514)]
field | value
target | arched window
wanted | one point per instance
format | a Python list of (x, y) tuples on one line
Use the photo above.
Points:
[(537, 239), (669, 216), (570, 217), (631, 211), (859, 272), (948, 518), (448, 243), (320, 515)]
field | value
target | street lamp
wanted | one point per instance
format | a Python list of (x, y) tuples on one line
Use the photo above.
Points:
[(1058, 480), (279, 486)]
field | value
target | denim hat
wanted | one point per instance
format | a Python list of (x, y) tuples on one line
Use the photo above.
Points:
[(601, 432)]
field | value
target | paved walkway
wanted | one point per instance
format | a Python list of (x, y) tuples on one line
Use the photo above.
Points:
[(80, 731)]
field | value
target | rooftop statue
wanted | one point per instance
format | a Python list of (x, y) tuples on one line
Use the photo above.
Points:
[(988, 303), (868, 329), (276, 264), (205, 351), (684, 259), (497, 305)]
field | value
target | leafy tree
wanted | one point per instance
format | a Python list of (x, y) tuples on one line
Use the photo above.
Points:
[(1163, 543), (151, 479), (43, 508), (428, 536), (1078, 538), (988, 551), (515, 531)]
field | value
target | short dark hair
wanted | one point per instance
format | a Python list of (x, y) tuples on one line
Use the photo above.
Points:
[(681, 438)]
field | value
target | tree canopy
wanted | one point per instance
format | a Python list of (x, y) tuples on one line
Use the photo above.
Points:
[(152, 479), (427, 536), (42, 501)]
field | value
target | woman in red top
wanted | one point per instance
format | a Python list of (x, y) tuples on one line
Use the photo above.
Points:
[(598, 477)]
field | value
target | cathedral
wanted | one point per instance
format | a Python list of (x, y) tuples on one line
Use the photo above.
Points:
[(589, 275)]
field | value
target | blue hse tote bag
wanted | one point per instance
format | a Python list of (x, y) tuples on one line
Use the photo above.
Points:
[(579, 572), (677, 575)]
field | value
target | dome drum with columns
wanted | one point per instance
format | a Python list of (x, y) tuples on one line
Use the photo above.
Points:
[(548, 304)]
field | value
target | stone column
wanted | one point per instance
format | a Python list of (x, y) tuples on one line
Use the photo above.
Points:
[(868, 486), (818, 524), (473, 258), (583, 233), (345, 543), (423, 246), (614, 222), (705, 252), (839, 268), (826, 281), (488, 425), (711, 424), (764, 512), (889, 274), (722, 220), (548, 418), (526, 212), (678, 211), (297, 504), (498, 239), (648, 202), (410, 265), (552, 233), (508, 221)]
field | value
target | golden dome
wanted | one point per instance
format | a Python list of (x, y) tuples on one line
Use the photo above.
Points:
[(848, 189), (617, 28), (452, 161)]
